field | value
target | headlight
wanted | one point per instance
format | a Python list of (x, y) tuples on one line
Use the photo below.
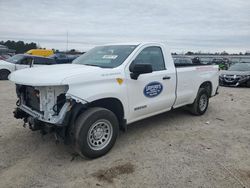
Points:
[(221, 76), (243, 77)]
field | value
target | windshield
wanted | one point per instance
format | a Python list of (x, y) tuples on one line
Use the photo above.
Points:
[(106, 56), (240, 67), (15, 58)]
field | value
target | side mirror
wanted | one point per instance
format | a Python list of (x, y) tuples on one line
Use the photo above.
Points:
[(137, 69)]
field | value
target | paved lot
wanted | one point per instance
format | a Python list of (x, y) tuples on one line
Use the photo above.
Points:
[(174, 149)]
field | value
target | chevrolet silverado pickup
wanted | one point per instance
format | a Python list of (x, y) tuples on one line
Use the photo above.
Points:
[(87, 102)]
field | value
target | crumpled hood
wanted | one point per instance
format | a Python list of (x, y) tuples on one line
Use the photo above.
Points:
[(52, 74), (227, 72)]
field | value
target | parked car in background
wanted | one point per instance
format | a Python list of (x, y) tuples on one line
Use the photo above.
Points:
[(62, 58), (22, 61), (237, 75), (40, 52), (6, 50), (196, 61), (4, 56), (222, 62)]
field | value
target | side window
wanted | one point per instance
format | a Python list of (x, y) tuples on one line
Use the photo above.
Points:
[(38, 61), (62, 56), (42, 61), (50, 61), (26, 61), (151, 55)]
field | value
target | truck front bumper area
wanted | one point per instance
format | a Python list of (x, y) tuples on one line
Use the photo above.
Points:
[(37, 121), (59, 125)]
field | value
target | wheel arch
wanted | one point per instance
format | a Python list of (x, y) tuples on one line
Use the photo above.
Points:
[(207, 85), (112, 104)]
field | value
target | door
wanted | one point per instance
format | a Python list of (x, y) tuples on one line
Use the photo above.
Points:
[(26, 62), (154, 92)]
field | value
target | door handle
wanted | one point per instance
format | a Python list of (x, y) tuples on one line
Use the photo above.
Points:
[(166, 78)]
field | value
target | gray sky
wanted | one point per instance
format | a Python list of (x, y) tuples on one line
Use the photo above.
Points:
[(198, 25)]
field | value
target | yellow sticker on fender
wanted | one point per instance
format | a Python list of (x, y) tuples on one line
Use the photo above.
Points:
[(119, 80)]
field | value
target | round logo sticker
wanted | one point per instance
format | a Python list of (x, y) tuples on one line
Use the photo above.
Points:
[(153, 89)]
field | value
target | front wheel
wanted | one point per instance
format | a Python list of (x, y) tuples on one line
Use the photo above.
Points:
[(96, 132), (200, 104)]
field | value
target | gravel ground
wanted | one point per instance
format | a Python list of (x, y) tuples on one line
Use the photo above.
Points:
[(174, 149)]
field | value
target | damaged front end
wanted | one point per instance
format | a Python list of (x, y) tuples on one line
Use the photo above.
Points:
[(42, 108)]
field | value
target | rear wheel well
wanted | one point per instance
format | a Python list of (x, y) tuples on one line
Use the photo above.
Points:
[(208, 86), (112, 104)]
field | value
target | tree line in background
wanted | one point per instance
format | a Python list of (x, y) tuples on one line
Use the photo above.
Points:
[(22, 47), (19, 46)]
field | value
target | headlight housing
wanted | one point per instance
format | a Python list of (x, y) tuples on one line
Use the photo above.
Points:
[(221, 76), (244, 77)]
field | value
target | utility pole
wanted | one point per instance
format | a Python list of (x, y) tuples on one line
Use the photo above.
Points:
[(67, 42)]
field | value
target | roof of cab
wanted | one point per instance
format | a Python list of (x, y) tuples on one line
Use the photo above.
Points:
[(133, 43)]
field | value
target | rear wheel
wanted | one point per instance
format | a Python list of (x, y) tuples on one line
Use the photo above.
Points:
[(4, 74), (200, 104), (96, 132)]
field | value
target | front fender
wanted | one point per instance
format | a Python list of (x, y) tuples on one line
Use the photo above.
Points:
[(100, 89)]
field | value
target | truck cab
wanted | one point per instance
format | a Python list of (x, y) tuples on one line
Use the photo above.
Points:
[(106, 89)]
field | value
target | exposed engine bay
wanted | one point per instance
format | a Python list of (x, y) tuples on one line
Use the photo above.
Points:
[(47, 104)]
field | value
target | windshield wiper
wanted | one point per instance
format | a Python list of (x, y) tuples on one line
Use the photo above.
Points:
[(96, 65), (92, 65)]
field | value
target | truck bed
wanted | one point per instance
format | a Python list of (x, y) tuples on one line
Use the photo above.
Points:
[(189, 78)]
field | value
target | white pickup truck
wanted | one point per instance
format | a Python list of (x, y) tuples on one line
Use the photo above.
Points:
[(107, 88)]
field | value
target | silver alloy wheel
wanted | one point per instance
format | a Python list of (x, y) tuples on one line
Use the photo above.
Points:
[(99, 134), (203, 102)]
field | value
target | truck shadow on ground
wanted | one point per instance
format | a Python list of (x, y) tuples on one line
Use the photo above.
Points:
[(159, 120)]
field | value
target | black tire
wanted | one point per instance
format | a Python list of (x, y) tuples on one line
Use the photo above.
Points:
[(197, 108), (4, 74), (100, 118), (248, 83)]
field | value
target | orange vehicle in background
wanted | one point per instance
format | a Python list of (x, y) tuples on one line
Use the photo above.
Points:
[(40, 52)]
